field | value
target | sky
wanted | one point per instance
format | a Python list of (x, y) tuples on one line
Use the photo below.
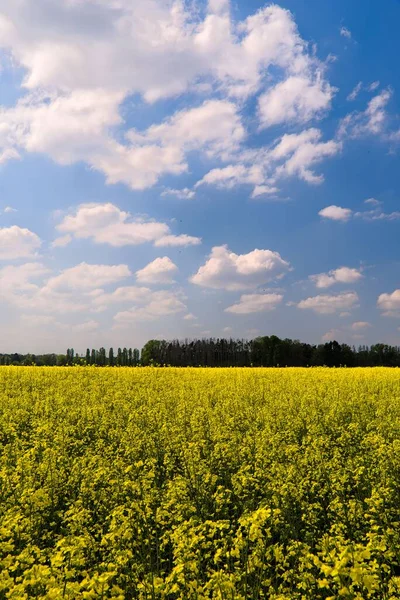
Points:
[(175, 169)]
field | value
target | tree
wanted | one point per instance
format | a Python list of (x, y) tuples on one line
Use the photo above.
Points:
[(150, 352), (111, 357), (136, 357), (102, 359)]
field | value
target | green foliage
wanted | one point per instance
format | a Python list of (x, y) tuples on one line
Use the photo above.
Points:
[(194, 484)]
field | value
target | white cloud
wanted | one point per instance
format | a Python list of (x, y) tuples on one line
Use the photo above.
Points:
[(17, 242), (177, 240), (336, 213), (332, 335), (377, 213), (292, 155), (161, 304), (48, 300), (372, 202), (341, 275), (232, 175), (83, 60), (372, 121), (127, 294), (86, 327), (214, 127), (150, 47), (9, 209), (183, 194), (107, 224), (390, 304), (360, 325), (32, 286), (301, 152), (88, 276), (255, 303), (226, 270), (325, 304), (161, 270), (345, 32), (62, 241), (298, 100), (354, 93), (19, 279), (373, 86), (190, 317), (264, 190)]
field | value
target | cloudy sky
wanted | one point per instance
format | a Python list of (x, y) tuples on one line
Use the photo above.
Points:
[(186, 169)]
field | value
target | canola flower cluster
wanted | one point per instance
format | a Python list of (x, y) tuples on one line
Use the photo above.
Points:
[(181, 484)]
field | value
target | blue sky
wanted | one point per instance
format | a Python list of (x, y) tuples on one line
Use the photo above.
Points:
[(173, 169)]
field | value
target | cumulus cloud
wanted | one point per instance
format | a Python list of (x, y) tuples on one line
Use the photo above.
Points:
[(161, 270), (17, 279), (161, 304), (62, 241), (177, 240), (255, 303), (226, 270), (297, 99), (214, 127), (183, 194), (88, 276), (376, 213), (372, 121), (332, 335), (336, 213), (107, 224), (32, 286), (86, 326), (360, 326), (121, 295), (232, 175), (389, 304), (190, 317), (18, 242), (292, 155), (372, 202), (325, 304), (301, 152), (83, 60), (341, 275)]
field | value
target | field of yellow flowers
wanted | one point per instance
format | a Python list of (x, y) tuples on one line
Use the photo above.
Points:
[(236, 484)]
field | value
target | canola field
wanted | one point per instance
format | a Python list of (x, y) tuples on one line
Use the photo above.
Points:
[(181, 484)]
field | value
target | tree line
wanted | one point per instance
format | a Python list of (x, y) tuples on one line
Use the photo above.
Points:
[(264, 351), (123, 357)]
